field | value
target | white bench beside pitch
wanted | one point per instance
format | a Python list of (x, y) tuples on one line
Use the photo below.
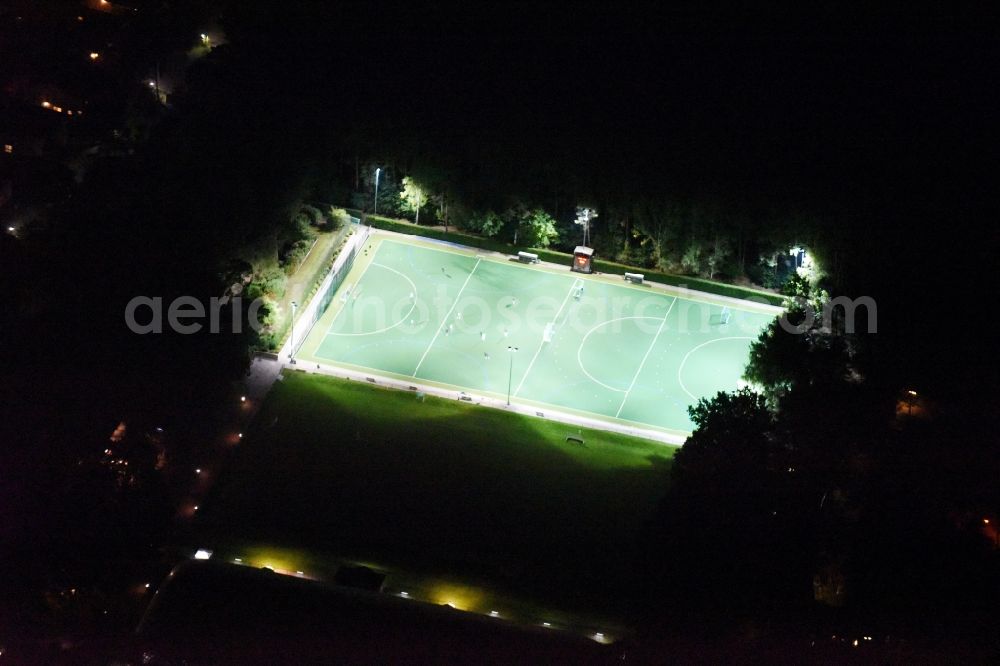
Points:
[(527, 258)]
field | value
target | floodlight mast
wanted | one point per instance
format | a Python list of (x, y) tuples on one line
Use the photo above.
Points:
[(291, 351), (510, 371), (583, 218), (378, 170)]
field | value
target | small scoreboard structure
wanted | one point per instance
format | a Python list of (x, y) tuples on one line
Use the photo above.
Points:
[(583, 258)]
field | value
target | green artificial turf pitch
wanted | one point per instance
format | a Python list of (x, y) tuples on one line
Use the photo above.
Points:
[(443, 315)]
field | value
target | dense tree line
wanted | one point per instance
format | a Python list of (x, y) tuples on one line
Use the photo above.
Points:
[(827, 486)]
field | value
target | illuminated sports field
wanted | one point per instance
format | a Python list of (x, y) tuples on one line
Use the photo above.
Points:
[(432, 313)]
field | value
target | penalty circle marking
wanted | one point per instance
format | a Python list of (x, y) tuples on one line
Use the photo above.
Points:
[(680, 369), (413, 305), (579, 351)]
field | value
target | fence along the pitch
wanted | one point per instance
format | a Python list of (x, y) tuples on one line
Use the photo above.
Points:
[(321, 301)]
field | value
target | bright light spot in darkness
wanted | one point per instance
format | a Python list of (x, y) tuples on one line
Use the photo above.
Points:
[(94, 55), (459, 597), (202, 554), (238, 560), (243, 398), (404, 594), (546, 624), (147, 586), (197, 470), (240, 435), (279, 560), (494, 614)]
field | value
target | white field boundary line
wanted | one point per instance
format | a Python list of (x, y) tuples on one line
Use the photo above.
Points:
[(391, 326), (598, 422), (680, 368), (750, 304), (446, 317), (583, 343), (643, 363), (344, 305), (542, 344), (540, 409)]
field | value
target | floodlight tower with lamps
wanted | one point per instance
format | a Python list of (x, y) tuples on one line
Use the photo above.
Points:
[(583, 218), (510, 371), (378, 170)]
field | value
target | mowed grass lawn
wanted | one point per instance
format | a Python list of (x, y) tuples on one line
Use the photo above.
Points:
[(440, 487)]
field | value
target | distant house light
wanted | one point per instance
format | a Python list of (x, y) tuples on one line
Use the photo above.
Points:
[(94, 55), (47, 104), (7, 148), (202, 554)]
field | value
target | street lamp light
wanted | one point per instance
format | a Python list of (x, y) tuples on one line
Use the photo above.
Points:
[(378, 171), (510, 371)]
